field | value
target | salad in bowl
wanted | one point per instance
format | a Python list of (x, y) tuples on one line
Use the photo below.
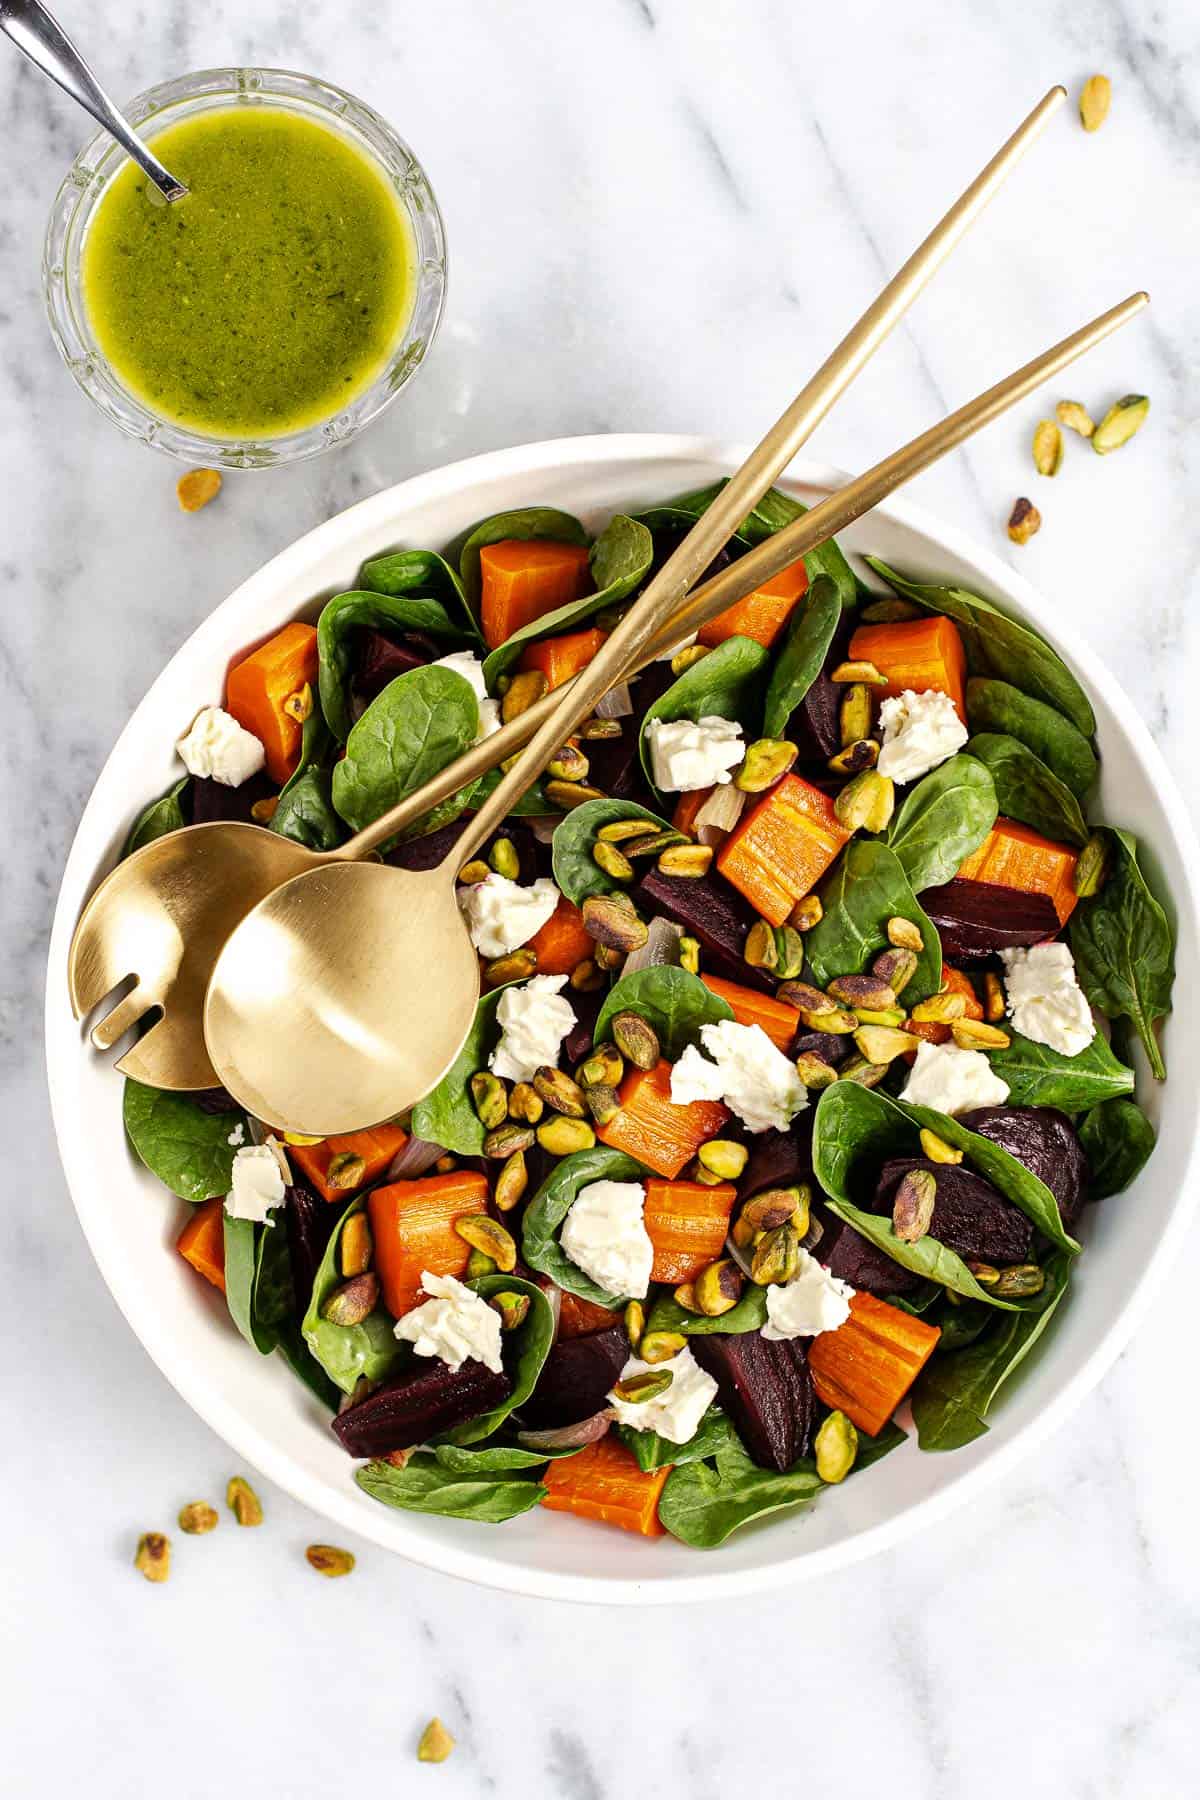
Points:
[(810, 981)]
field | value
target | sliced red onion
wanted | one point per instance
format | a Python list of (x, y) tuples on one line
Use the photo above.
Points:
[(660, 948), (569, 1437), (719, 814), (417, 1156), (616, 704)]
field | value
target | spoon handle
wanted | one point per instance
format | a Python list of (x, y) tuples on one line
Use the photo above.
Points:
[(42, 39)]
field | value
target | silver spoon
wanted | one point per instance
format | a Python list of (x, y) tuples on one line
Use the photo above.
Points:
[(42, 39)]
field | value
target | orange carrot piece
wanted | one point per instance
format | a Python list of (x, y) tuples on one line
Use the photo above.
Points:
[(580, 1318), (867, 1365), (522, 580), (763, 614), (259, 686), (955, 982), (1013, 856), (561, 657), (376, 1147), (687, 1223), (562, 943), (604, 1482), (202, 1241), (780, 1022), (686, 808), (648, 1127), (412, 1223), (920, 654), (780, 848)]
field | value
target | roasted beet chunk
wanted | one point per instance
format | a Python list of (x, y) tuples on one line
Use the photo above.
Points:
[(309, 1224), (815, 725), (831, 1048), (578, 1041), (411, 1408), (576, 1378), (615, 767), (380, 658), (421, 853), (213, 803), (968, 1214), (766, 1389), (853, 1258), (1044, 1140), (976, 918), (779, 1158), (708, 909)]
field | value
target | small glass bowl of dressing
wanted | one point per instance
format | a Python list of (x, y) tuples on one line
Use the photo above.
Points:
[(325, 306)]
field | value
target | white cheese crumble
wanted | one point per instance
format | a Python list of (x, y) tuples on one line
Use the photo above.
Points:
[(605, 1235), (470, 667), (257, 1184), (502, 915), (952, 1080), (686, 754), (219, 747), (676, 1413), (813, 1302), (454, 1323), (1045, 999), (534, 1019), (919, 732), (748, 1072), (237, 1136)]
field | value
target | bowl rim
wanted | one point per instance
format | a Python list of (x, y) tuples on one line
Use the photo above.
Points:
[(217, 1411)]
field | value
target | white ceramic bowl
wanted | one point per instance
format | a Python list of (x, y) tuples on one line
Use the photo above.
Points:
[(256, 1404)]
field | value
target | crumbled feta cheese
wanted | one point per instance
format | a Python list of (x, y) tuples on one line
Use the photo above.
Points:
[(257, 1184), (919, 732), (686, 754), (454, 1323), (237, 1136), (676, 1413), (534, 1019), (469, 666), (1045, 999), (501, 914), (605, 1235), (813, 1302), (753, 1077), (219, 747), (953, 1080)]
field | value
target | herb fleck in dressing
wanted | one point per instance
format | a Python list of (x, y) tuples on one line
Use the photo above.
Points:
[(268, 298)]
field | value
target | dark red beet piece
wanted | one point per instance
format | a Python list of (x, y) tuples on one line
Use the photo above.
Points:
[(411, 1408), (968, 1214), (815, 725), (427, 852), (615, 767), (213, 802), (309, 1223), (214, 1100), (576, 1378), (766, 1389), (379, 658), (710, 910), (831, 1048), (853, 1258), (778, 1158), (976, 918), (578, 1040), (1045, 1141)]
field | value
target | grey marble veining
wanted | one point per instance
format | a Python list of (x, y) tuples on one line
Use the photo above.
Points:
[(661, 213)]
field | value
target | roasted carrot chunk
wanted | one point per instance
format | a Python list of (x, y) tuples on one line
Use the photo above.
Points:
[(523, 580), (412, 1224), (376, 1148), (780, 848), (686, 808), (561, 657), (259, 688), (1013, 856), (604, 1482), (780, 1022), (867, 1365), (687, 1223), (919, 654), (562, 943), (202, 1241), (648, 1127), (579, 1318), (955, 982), (763, 614)]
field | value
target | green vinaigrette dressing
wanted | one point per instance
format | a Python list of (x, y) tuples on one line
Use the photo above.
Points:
[(271, 296)]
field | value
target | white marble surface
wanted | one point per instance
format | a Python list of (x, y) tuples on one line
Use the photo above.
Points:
[(661, 213)]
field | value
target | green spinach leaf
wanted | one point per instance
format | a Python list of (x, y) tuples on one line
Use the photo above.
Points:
[(549, 1207), (242, 1240), (576, 872), (446, 1115), (305, 811), (525, 1352), (1124, 949), (1117, 1139), (402, 574), (997, 706), (425, 1485), (186, 1147), (261, 1300), (954, 1393), (749, 1314), (997, 645), (491, 1459), (408, 734), (1028, 791), (522, 525), (673, 1001), (713, 1433), (155, 820), (347, 1352), (944, 818), (797, 665), (620, 558), (426, 598), (775, 510), (865, 888), (1039, 1076), (727, 684)]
